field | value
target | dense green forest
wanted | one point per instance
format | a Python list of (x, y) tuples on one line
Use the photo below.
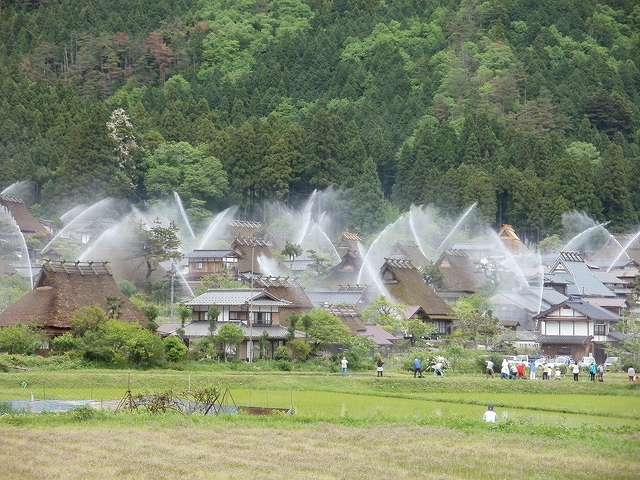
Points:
[(529, 108)]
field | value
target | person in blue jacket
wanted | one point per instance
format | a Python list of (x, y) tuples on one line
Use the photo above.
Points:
[(417, 368)]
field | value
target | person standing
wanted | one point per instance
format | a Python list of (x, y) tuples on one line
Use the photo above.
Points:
[(343, 363), (592, 372), (600, 371), (632, 374), (489, 369), (532, 370), (417, 368), (520, 369), (490, 416), (576, 371), (379, 367), (437, 370), (504, 372)]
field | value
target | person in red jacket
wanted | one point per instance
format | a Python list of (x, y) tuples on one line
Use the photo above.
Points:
[(520, 368)]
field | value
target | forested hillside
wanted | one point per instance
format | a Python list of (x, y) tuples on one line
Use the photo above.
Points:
[(530, 108)]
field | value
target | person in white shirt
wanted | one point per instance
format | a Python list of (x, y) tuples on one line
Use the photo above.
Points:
[(343, 364), (490, 416), (576, 371)]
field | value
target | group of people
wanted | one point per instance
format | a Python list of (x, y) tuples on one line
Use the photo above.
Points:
[(512, 371), (417, 369)]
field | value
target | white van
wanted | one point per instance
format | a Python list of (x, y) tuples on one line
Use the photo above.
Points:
[(587, 361)]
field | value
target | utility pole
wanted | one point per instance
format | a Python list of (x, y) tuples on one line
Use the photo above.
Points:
[(250, 343)]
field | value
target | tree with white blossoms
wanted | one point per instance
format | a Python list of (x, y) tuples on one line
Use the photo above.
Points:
[(121, 132)]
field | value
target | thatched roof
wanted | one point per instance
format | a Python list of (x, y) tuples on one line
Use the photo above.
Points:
[(511, 241), (242, 228), (346, 272), (252, 251), (22, 216), (348, 241), (409, 251), (405, 283), (6, 269), (286, 288), (459, 271), (63, 288), (349, 317)]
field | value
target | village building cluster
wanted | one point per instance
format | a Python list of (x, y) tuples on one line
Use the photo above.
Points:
[(569, 310)]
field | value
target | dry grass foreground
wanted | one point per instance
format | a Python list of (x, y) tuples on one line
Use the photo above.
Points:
[(316, 450)]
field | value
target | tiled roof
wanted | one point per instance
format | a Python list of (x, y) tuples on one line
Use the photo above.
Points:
[(590, 311), (236, 296), (564, 340), (320, 298), (572, 267), (379, 335), (210, 253)]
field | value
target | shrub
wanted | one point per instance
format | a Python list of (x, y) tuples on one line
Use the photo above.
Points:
[(284, 365), (282, 353), (174, 349)]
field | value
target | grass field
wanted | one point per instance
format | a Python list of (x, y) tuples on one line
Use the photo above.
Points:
[(355, 427)]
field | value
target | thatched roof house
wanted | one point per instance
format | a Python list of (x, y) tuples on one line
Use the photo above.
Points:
[(63, 288), (6, 269), (405, 284), (406, 250), (346, 272), (511, 241), (348, 241), (285, 288), (18, 210), (460, 274), (256, 257)]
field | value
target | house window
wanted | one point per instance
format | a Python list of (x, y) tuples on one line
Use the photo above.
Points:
[(234, 315), (441, 326), (198, 265), (600, 329), (262, 318)]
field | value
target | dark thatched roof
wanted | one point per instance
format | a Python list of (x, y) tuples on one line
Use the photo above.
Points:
[(6, 269), (22, 216), (349, 317), (252, 250), (63, 288), (346, 272), (459, 271), (405, 283), (286, 288), (409, 251)]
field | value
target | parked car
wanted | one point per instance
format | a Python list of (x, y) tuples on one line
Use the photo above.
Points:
[(561, 360), (612, 363), (517, 359), (541, 361), (587, 361)]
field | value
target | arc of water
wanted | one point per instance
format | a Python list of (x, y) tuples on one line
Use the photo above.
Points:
[(183, 213), (584, 232), (306, 212), (66, 227), (415, 234), (317, 229), (453, 230), (184, 281), (371, 272), (22, 241), (624, 250), (215, 223)]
